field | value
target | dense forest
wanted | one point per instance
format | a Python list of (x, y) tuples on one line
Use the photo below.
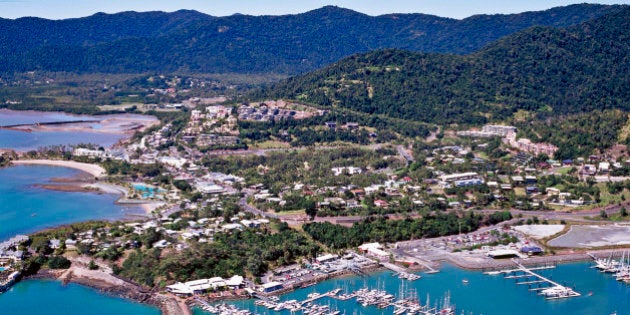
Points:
[(543, 71), (578, 135), (189, 41), (389, 231)]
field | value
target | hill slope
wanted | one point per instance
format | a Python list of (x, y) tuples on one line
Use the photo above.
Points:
[(193, 42), (540, 70)]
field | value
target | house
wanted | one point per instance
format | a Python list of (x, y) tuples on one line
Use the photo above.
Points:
[(531, 190), (517, 180), (588, 169), (381, 203), (352, 126), (161, 244), (55, 243), (331, 125)]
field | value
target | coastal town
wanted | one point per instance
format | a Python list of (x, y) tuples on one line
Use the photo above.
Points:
[(317, 161), (182, 176)]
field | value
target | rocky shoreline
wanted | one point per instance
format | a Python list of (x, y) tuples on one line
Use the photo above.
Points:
[(124, 290)]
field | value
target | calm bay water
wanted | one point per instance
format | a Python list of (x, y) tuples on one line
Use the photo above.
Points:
[(15, 117), (484, 294), (25, 208), (53, 298), (24, 141)]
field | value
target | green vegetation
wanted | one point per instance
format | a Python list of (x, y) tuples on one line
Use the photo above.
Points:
[(189, 41), (58, 262), (384, 230), (577, 135), (276, 170), (241, 252), (529, 70)]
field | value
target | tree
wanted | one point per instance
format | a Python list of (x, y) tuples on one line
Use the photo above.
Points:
[(310, 207), (623, 212), (59, 262), (92, 265)]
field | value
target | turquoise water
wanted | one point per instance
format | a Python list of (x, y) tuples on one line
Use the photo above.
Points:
[(52, 298), (147, 191), (24, 141), (25, 208), (484, 294)]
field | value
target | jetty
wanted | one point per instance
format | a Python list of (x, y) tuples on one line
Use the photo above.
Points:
[(544, 286)]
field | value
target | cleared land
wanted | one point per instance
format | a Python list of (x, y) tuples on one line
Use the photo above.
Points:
[(588, 236)]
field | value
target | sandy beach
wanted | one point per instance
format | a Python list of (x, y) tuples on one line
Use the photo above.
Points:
[(94, 170), (113, 124)]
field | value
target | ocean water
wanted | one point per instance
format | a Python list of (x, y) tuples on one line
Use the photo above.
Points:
[(53, 298), (24, 141), (26, 208), (483, 294), (16, 117)]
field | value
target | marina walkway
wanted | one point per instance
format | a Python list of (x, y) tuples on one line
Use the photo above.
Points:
[(554, 290)]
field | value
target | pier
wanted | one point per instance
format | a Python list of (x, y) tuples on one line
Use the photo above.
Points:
[(552, 290)]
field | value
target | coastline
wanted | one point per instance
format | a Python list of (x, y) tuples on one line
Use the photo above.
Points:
[(95, 170), (105, 282), (85, 183)]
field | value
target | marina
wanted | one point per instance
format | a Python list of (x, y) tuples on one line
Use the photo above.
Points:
[(465, 289), (544, 286), (620, 269), (364, 297)]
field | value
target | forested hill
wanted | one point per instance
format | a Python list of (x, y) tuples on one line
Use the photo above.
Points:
[(189, 41), (541, 70)]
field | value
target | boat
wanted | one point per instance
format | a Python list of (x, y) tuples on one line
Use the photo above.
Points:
[(465, 281)]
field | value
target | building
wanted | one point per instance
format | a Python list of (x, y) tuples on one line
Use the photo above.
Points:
[(209, 188), (502, 253), (462, 179), (204, 285), (374, 249), (327, 257), (498, 130), (88, 153), (271, 286)]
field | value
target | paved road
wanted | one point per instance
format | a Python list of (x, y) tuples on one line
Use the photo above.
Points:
[(404, 153), (247, 207)]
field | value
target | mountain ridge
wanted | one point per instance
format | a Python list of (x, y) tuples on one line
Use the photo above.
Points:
[(189, 41), (541, 70)]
